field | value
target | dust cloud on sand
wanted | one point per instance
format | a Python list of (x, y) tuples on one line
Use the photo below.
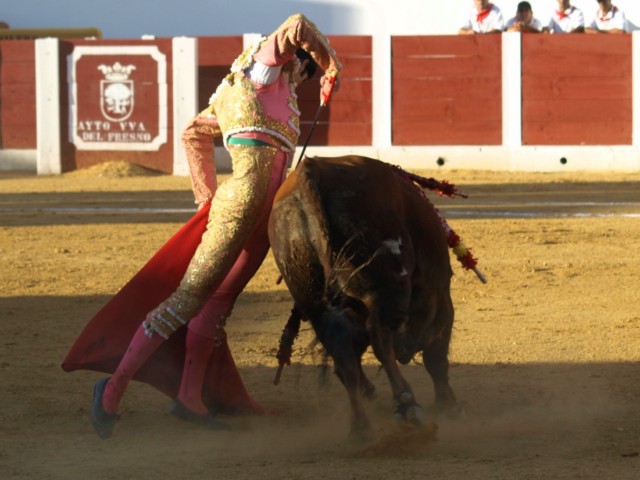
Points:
[(545, 357)]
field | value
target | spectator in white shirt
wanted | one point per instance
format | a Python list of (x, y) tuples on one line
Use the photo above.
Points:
[(484, 17), (609, 19), (524, 21), (566, 19)]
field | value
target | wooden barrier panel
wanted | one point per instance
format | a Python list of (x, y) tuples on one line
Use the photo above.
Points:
[(17, 94), (346, 120), (576, 90), (447, 90), (215, 56)]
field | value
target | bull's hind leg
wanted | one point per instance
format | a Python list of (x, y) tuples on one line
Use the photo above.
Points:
[(367, 388), (337, 336), (350, 374), (404, 402), (436, 361)]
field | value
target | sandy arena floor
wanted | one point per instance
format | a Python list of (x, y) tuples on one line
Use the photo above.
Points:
[(545, 357)]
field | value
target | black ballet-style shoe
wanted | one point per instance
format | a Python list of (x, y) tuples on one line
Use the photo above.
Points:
[(103, 422), (206, 420)]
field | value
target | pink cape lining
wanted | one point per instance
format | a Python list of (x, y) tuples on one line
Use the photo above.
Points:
[(106, 336)]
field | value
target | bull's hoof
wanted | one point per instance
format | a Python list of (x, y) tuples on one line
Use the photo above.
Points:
[(416, 416), (413, 414), (406, 409)]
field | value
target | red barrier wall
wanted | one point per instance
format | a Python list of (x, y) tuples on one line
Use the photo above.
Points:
[(346, 120), (17, 94), (576, 90), (343, 122), (215, 56), (447, 90)]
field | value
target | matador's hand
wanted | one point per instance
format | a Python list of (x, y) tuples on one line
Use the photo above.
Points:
[(328, 85)]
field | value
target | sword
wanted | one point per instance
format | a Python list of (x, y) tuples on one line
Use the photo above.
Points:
[(323, 102)]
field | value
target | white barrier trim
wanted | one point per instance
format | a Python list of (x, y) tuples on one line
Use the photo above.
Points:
[(185, 96), (18, 160), (635, 88), (381, 91), (48, 149), (511, 89), (249, 39), (556, 158)]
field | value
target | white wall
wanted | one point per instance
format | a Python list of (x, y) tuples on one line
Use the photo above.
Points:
[(134, 18)]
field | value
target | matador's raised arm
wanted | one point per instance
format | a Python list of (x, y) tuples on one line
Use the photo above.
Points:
[(298, 31)]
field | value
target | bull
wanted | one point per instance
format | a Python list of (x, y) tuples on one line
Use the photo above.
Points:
[(365, 257)]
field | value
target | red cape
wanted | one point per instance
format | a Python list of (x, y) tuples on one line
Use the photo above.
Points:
[(106, 337)]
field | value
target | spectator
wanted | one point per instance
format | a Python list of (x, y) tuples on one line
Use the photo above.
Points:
[(484, 17), (566, 19), (524, 21), (609, 19)]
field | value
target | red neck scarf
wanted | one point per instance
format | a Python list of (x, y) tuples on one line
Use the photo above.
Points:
[(484, 13), (563, 15), (603, 16)]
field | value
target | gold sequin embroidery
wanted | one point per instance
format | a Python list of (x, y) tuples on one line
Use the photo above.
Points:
[(234, 212)]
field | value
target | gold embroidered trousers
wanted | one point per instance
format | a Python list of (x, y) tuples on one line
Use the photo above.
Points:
[(235, 210)]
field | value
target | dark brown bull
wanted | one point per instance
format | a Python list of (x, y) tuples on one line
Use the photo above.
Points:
[(366, 259)]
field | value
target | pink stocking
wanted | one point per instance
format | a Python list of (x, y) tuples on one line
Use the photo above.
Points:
[(203, 329), (199, 350), (140, 349)]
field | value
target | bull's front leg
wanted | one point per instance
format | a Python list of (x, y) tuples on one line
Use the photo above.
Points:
[(436, 362), (366, 387)]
